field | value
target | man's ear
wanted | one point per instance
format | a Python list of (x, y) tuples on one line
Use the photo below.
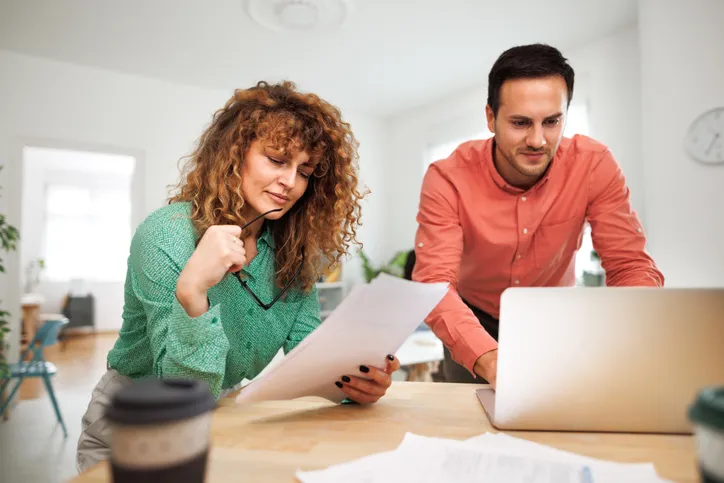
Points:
[(491, 118)]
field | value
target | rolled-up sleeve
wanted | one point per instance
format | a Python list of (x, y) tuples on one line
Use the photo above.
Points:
[(182, 346), (438, 250), (617, 234)]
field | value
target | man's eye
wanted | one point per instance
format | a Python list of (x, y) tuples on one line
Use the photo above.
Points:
[(520, 123), (553, 122)]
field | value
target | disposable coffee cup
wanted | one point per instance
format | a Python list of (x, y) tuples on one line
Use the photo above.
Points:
[(707, 415), (160, 431)]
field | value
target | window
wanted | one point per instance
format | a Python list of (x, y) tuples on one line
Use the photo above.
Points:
[(77, 206), (87, 233)]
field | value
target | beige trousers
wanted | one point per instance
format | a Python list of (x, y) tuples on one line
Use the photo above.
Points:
[(94, 444)]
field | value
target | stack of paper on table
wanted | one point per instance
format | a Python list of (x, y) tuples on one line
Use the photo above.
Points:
[(489, 458), (372, 321)]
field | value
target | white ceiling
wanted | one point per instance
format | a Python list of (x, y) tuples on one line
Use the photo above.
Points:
[(390, 54)]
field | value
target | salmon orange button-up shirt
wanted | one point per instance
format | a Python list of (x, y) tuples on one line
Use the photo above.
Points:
[(482, 235)]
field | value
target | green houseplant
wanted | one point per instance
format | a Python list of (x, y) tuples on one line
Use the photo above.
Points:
[(8, 237), (395, 267)]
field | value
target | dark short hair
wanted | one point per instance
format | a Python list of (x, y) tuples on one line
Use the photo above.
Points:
[(527, 61)]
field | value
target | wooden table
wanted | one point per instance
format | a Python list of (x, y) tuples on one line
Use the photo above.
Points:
[(268, 442)]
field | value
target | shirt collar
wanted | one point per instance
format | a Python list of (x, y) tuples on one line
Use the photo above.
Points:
[(267, 236)]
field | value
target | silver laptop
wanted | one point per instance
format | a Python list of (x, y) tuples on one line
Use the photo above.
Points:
[(605, 359)]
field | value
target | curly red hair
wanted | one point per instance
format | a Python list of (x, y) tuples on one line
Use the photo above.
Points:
[(324, 219)]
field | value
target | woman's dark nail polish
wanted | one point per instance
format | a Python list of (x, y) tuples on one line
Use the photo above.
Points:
[(364, 368), (391, 357), (345, 378), (338, 384)]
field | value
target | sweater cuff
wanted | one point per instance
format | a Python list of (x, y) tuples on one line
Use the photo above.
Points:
[(194, 331)]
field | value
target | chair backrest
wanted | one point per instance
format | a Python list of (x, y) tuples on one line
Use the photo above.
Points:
[(46, 335)]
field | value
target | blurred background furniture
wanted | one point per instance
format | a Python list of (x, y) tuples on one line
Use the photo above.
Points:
[(80, 312), (330, 295), (421, 355), (33, 364), (30, 303)]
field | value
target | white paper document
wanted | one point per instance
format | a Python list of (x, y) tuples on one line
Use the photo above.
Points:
[(419, 459), (372, 321), (489, 458), (601, 471)]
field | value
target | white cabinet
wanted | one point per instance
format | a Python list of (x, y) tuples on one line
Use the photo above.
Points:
[(330, 295)]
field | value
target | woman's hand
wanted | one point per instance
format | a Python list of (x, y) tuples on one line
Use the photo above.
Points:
[(365, 391), (219, 252)]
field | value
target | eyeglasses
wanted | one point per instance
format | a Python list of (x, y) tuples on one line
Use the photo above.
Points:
[(286, 287)]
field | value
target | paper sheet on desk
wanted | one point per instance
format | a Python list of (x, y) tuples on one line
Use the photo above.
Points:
[(601, 471), (486, 458), (445, 460), (419, 459), (372, 321)]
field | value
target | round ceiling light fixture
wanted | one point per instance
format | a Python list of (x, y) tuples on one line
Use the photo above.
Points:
[(295, 15)]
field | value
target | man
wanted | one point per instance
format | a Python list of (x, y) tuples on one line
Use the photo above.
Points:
[(509, 211)]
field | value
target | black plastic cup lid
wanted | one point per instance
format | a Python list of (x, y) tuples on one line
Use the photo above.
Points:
[(153, 401), (708, 408)]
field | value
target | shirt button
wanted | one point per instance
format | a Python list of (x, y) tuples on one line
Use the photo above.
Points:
[(517, 282), (248, 345), (524, 198), (525, 230), (518, 256), (419, 245), (250, 311), (639, 230)]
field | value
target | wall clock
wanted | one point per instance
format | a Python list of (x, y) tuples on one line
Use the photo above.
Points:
[(705, 139)]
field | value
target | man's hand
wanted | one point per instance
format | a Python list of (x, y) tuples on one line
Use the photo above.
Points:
[(487, 367)]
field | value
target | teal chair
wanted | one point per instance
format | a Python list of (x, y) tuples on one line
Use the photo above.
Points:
[(37, 366)]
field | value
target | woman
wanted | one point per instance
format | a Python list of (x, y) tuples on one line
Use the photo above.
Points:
[(224, 276)]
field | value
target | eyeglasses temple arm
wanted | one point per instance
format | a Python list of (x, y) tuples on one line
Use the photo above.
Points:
[(263, 214)]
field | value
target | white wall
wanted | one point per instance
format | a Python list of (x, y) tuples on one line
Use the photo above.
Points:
[(682, 72), (609, 74), (56, 104), (410, 134), (372, 136)]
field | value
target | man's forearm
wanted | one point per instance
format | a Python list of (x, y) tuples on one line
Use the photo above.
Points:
[(457, 327)]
